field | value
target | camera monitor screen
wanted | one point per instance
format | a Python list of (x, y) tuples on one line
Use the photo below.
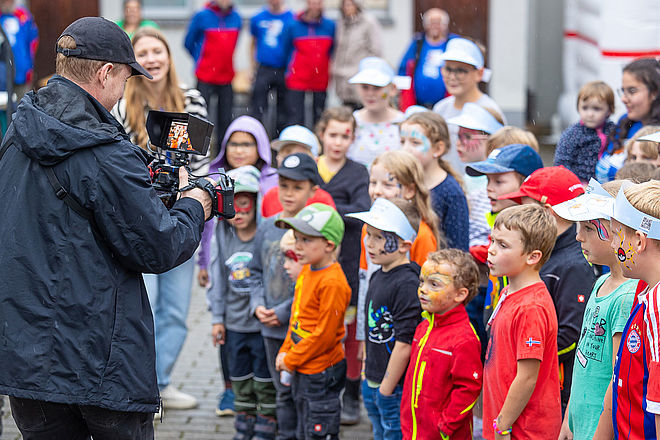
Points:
[(181, 132)]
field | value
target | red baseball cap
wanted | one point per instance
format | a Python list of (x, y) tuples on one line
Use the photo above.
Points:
[(551, 185)]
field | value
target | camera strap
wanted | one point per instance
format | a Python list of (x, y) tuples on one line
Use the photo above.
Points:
[(63, 194)]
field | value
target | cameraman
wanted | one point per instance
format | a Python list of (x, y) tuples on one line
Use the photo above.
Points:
[(76, 330)]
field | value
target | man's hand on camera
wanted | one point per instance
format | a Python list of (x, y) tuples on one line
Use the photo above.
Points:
[(196, 193)]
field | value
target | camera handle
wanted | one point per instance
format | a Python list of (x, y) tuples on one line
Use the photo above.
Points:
[(210, 190)]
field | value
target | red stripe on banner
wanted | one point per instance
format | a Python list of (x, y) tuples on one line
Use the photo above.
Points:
[(613, 53)]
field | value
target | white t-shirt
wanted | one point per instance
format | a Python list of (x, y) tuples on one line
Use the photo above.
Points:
[(447, 110), (373, 139)]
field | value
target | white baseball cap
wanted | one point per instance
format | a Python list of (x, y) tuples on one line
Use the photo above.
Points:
[(466, 51), (297, 134), (653, 137), (373, 71), (594, 204), (476, 117), (386, 216)]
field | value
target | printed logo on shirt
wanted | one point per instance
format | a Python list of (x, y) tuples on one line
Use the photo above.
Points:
[(580, 298), (237, 268), (532, 342), (381, 324), (591, 344), (432, 63), (633, 342), (273, 30)]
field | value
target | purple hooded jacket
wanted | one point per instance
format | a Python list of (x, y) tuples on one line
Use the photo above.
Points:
[(268, 179)]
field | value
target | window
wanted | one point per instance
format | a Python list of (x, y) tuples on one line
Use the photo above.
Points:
[(167, 9)]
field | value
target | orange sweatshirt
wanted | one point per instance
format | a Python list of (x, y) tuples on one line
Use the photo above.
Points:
[(316, 328)]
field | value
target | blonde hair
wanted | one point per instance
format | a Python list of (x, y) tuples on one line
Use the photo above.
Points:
[(613, 186), (599, 90), (649, 148), (636, 172), (288, 241), (409, 211), (465, 272), (537, 228), (407, 170), (77, 69), (508, 135), (645, 197), (436, 130), (136, 92)]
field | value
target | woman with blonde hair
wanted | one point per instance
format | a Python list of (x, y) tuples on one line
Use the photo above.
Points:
[(169, 293)]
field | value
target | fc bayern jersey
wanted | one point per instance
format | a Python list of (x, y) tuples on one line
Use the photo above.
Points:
[(635, 390)]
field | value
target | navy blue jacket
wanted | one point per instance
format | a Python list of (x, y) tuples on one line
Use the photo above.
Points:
[(578, 149), (75, 321)]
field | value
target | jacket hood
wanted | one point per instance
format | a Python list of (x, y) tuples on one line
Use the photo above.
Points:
[(248, 124), (48, 128)]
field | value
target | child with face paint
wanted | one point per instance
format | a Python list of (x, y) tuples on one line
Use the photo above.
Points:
[(347, 182), (377, 121), (606, 312), (475, 124), (444, 376), (234, 327), (392, 310), (634, 408), (425, 136)]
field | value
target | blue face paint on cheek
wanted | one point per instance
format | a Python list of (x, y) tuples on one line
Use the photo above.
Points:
[(425, 146), (391, 242)]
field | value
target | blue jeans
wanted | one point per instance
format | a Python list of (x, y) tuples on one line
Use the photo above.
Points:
[(169, 297), (384, 412)]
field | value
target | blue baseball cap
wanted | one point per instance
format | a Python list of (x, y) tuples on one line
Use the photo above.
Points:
[(515, 157)]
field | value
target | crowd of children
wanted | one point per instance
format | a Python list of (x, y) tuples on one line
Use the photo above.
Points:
[(493, 299)]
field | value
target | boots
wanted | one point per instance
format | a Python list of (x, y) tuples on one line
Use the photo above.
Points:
[(244, 424), (350, 408), (265, 428)]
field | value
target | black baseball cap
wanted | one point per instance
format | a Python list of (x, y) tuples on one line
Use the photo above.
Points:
[(300, 166), (102, 40)]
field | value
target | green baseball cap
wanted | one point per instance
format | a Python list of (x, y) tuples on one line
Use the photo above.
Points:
[(317, 220), (246, 179)]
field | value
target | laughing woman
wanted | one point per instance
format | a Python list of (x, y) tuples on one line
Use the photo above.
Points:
[(169, 293)]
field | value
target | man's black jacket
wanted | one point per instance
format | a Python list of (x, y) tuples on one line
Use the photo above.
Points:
[(75, 322)]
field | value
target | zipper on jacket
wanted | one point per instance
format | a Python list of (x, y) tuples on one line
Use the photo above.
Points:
[(417, 374)]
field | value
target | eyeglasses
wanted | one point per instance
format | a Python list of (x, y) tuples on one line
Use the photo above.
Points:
[(600, 229), (458, 72), (241, 144), (628, 92), (290, 255)]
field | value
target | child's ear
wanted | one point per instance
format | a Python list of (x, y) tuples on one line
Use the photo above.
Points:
[(461, 295), (404, 246), (314, 188), (408, 191), (534, 257), (438, 149), (639, 242)]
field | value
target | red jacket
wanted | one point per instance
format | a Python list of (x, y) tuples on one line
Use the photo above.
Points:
[(444, 378)]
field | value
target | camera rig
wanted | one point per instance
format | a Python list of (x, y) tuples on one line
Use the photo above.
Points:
[(173, 138)]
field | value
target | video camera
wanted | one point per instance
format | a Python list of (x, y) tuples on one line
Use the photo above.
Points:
[(176, 136)]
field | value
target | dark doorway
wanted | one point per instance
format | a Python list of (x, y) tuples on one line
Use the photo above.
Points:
[(52, 17)]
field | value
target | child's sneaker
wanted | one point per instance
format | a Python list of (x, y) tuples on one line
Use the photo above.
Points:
[(226, 404), (175, 399)]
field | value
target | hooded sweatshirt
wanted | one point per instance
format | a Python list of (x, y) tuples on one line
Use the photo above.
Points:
[(75, 318), (268, 179)]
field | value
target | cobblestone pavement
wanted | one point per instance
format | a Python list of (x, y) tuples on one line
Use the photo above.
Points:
[(197, 372)]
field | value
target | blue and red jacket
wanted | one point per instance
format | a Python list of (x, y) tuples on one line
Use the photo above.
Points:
[(211, 40), (24, 38), (310, 46), (635, 383)]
